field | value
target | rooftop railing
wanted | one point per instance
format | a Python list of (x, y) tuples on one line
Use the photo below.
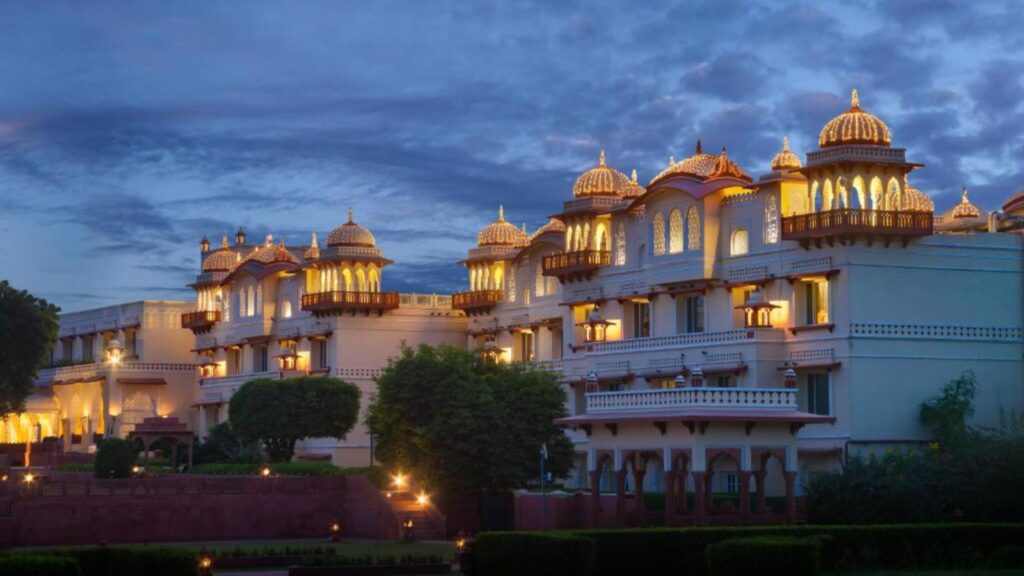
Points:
[(856, 222), (703, 397)]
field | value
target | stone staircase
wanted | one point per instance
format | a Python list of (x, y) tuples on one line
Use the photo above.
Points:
[(424, 524)]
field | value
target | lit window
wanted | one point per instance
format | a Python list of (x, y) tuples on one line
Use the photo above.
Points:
[(815, 301), (675, 232), (692, 229), (658, 231), (286, 309), (739, 242), (620, 245), (771, 220), (539, 281)]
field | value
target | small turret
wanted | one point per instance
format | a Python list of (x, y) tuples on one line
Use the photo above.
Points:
[(240, 237)]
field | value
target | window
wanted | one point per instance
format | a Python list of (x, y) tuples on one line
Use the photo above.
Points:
[(641, 319), (739, 242), (620, 245), (234, 361), (286, 309), (259, 359), (819, 399), (690, 314), (510, 294), (730, 482), (87, 348), (692, 229), (724, 381), (675, 232), (540, 282), (526, 346), (658, 231), (771, 219), (136, 408), (815, 301), (318, 354), (130, 343), (227, 306), (69, 349)]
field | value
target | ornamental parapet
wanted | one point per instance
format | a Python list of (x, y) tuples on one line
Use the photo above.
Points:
[(857, 153), (594, 204), (704, 397), (850, 223), (337, 301), (581, 264)]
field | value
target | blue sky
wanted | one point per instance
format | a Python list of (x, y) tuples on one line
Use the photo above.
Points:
[(128, 130)]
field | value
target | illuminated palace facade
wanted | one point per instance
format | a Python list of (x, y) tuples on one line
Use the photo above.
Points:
[(720, 333)]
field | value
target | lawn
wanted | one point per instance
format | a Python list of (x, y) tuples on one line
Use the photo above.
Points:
[(933, 573)]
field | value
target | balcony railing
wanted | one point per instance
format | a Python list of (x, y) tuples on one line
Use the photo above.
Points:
[(654, 399), (236, 380), (200, 320), (569, 265), (476, 299), (339, 301), (851, 222), (673, 341)]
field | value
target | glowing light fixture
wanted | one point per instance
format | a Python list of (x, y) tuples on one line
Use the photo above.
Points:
[(399, 481)]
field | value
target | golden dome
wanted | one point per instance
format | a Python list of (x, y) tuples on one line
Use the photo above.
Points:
[(965, 209), (855, 126), (553, 225), (313, 252), (916, 201), (501, 233), (635, 188), (350, 234), (223, 260), (270, 252), (703, 165), (785, 159), (601, 180)]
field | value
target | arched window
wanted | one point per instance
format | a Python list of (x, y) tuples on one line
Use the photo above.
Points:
[(498, 279), (259, 298), (539, 281), (826, 196), (578, 238), (360, 280), (286, 309), (893, 198), (876, 194), (526, 297), (137, 407), (346, 280), (692, 228), (510, 294), (771, 219), (227, 306), (569, 247), (860, 192), (250, 301), (658, 233), (812, 205), (620, 245), (739, 242), (675, 231), (472, 279), (374, 280), (600, 238), (585, 240)]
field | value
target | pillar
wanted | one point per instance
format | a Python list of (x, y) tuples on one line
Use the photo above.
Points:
[(709, 496), (790, 496), (762, 501), (681, 499), (67, 434), (595, 497), (87, 433), (699, 505), (744, 478), (638, 481), (620, 497), (671, 480)]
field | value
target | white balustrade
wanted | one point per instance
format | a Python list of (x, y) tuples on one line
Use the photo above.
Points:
[(673, 341), (237, 380), (704, 397)]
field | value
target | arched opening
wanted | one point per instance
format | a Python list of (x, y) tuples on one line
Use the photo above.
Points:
[(739, 242), (472, 279), (826, 196), (692, 228), (876, 194), (578, 239), (497, 278), (250, 302), (894, 196), (539, 280), (600, 237), (569, 246), (620, 245), (286, 309), (769, 478), (347, 277), (586, 241), (813, 203), (723, 483), (860, 192), (675, 231), (360, 280), (658, 233), (842, 192), (374, 280)]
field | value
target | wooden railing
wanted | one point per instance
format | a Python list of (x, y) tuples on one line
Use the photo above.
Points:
[(200, 319), (852, 221), (340, 300), (476, 299), (579, 262)]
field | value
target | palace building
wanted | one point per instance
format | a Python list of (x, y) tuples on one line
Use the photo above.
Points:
[(714, 331)]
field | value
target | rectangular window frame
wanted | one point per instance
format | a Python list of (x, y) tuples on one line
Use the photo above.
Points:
[(816, 383)]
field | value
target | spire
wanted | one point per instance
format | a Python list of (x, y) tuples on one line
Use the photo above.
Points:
[(501, 213), (699, 150), (724, 155), (524, 227), (600, 159), (963, 198), (269, 240), (671, 161), (854, 100), (313, 243), (350, 221), (634, 175), (224, 241), (785, 143)]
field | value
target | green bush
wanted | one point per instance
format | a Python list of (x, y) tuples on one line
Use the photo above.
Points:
[(39, 565), (282, 468), (115, 457), (135, 561), (377, 475), (536, 554), (767, 554)]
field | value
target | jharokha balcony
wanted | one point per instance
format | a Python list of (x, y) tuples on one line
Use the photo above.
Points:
[(848, 224), (477, 301), (579, 265), (200, 320), (337, 302)]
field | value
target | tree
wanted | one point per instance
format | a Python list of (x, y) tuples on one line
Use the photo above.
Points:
[(28, 328), (115, 457), (947, 414), (459, 422), (279, 413)]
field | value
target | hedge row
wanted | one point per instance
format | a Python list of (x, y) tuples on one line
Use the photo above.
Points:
[(663, 551), (766, 554), (536, 554), (282, 468), (101, 562)]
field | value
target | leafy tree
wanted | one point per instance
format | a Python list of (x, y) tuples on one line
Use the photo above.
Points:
[(947, 414), (223, 445), (28, 328), (115, 457), (279, 413), (459, 422)]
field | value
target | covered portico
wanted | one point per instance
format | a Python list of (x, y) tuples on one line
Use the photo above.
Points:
[(153, 430)]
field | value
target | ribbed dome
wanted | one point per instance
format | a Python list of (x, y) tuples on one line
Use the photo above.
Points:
[(553, 225), (270, 253), (223, 260), (965, 209), (1015, 203), (855, 126), (501, 233), (703, 165), (601, 180), (350, 234), (785, 159), (915, 200)]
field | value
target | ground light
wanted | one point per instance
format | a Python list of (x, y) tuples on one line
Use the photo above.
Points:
[(407, 530), (205, 563), (399, 481), (265, 471), (423, 499), (335, 532), (29, 478)]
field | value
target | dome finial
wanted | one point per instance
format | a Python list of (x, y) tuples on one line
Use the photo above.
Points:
[(963, 197), (350, 220), (600, 159), (269, 239), (634, 175), (313, 243), (785, 143), (224, 241), (854, 100), (671, 161), (501, 213), (699, 150)]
